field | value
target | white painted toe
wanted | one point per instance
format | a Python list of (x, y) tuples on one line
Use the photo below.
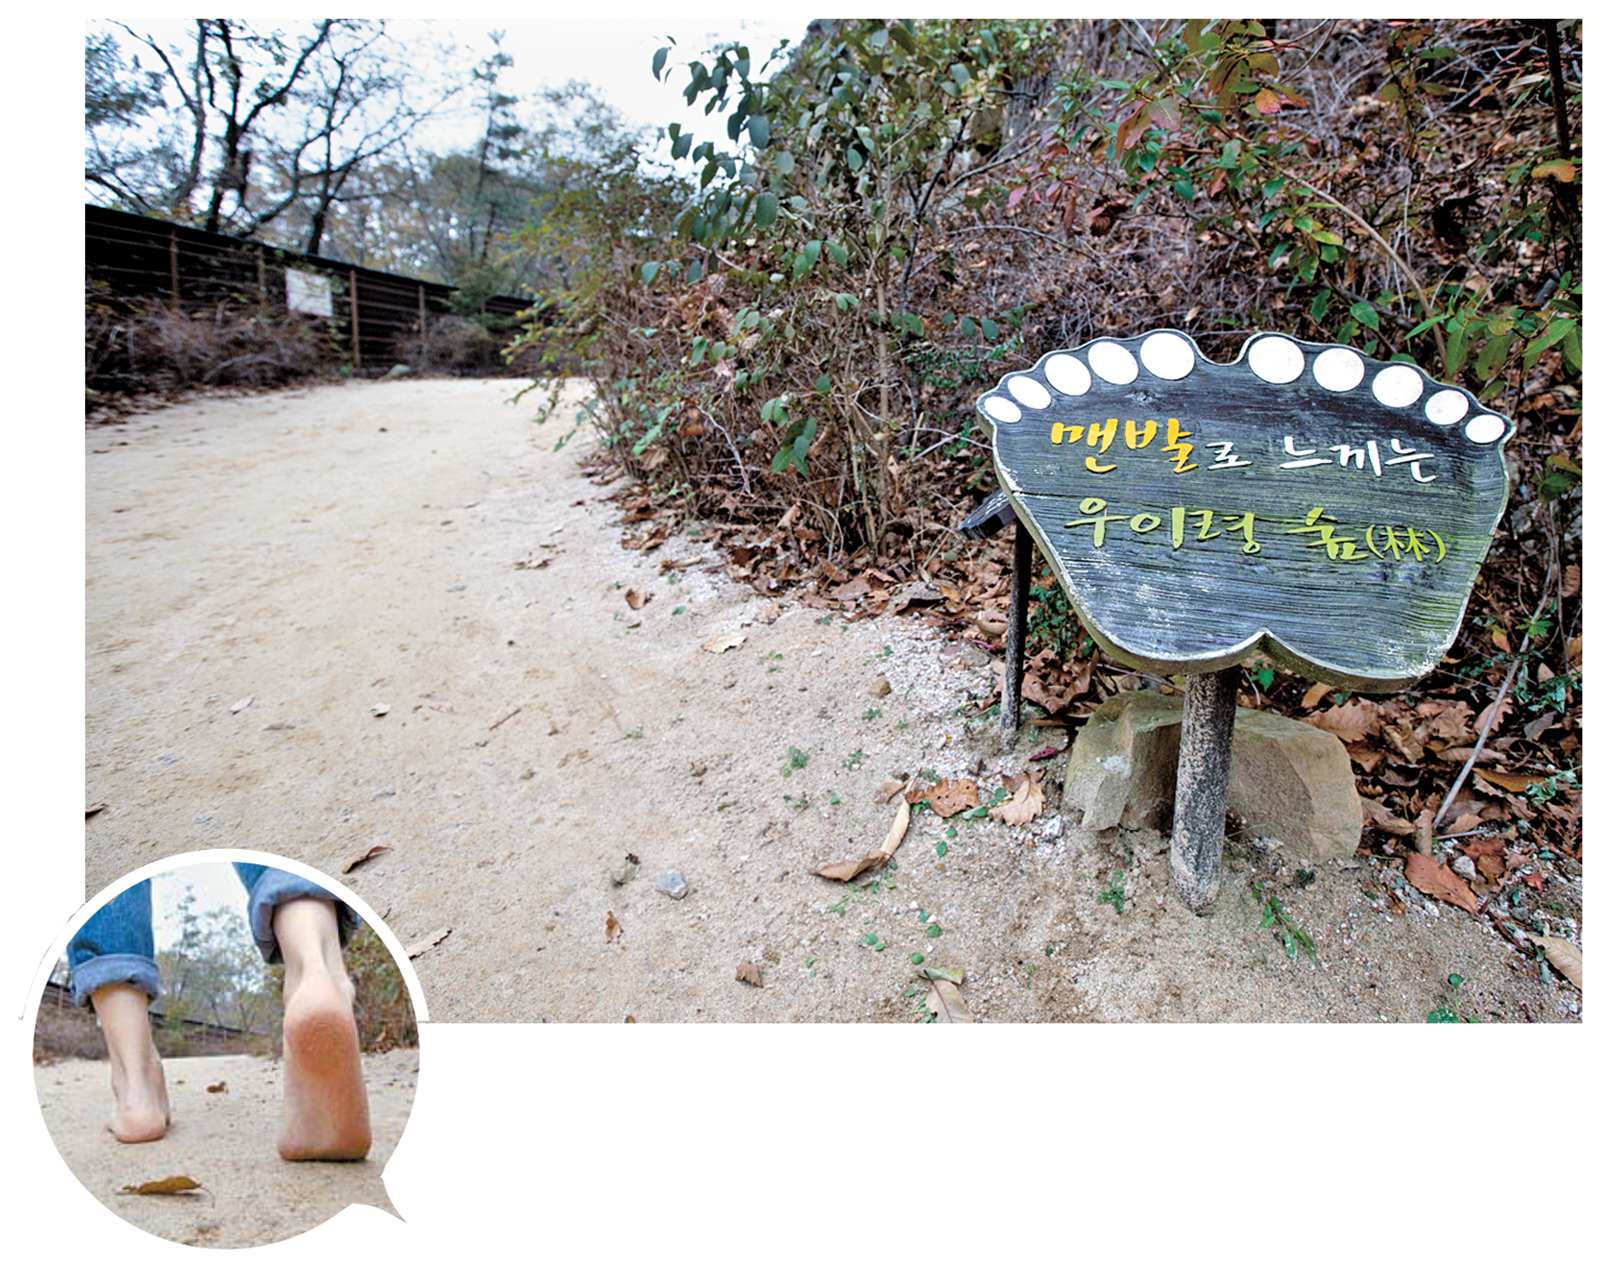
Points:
[(1339, 370), (1001, 408), (1029, 392), (1485, 429), (1112, 362), (1166, 354), (1447, 406), (1067, 374), (1398, 385), (1276, 359)]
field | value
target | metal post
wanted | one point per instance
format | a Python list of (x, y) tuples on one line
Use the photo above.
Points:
[(1200, 801), (1016, 629), (355, 321)]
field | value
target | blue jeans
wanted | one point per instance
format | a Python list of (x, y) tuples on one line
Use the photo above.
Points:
[(117, 942)]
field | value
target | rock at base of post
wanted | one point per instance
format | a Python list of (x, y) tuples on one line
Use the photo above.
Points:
[(1290, 781)]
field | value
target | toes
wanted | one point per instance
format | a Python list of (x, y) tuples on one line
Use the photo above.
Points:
[(1112, 362), (1167, 354), (1338, 370), (1486, 429), (1271, 358), (1397, 385), (1275, 359)]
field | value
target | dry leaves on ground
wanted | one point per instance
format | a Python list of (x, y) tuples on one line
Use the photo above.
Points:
[(361, 856), (170, 1186), (723, 643), (945, 1001), (948, 797), (750, 974), (846, 870), (1562, 955), (216, 1088), (613, 927), (637, 599), (1439, 882), (1026, 802), (433, 938)]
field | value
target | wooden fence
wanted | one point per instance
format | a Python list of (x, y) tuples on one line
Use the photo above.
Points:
[(131, 261)]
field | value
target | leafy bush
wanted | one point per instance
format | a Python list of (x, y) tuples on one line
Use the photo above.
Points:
[(887, 215)]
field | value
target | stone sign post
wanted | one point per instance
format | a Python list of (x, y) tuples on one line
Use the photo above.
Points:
[(1303, 501)]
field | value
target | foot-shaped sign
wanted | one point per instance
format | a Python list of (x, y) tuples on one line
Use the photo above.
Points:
[(1306, 499)]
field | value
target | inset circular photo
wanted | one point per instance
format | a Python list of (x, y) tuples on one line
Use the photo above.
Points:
[(226, 1052)]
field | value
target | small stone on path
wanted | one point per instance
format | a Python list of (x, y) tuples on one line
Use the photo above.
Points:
[(673, 884)]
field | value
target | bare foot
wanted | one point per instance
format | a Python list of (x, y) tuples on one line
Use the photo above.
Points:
[(140, 1112), (325, 1114)]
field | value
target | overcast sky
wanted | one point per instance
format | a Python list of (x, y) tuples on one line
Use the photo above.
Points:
[(611, 54)]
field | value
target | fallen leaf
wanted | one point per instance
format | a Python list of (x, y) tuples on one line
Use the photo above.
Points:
[(1026, 802), (1366, 757), (362, 856), (1439, 882), (216, 1088), (769, 613), (613, 927), (93, 809), (1516, 783), (1315, 694), (1488, 858), (242, 704), (949, 797), (427, 943), (1562, 955), (952, 974), (750, 974), (946, 1003), (1350, 722), (722, 644), (636, 599), (380, 708), (887, 791), (844, 871), (168, 1187), (1383, 819), (1044, 754), (880, 687)]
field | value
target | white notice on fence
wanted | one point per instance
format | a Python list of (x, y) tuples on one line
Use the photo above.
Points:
[(309, 293)]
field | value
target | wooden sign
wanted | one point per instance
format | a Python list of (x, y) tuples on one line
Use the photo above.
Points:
[(1305, 500)]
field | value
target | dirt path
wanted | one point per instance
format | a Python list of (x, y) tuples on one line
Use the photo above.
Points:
[(225, 1141), (421, 546)]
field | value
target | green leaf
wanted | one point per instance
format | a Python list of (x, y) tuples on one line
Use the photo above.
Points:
[(648, 271), (838, 253), (659, 61), (1557, 331), (759, 129), (1365, 314), (766, 209)]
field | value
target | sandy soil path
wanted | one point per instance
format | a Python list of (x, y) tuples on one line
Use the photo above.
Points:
[(422, 546), (223, 1140)]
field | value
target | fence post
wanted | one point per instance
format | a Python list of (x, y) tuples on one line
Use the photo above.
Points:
[(422, 310), (261, 275), (172, 260), (355, 321)]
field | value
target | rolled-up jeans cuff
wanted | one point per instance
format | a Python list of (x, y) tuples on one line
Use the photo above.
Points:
[(271, 890), (112, 969)]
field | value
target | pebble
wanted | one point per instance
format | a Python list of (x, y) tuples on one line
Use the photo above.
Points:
[(673, 884), (386, 793), (1463, 866)]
